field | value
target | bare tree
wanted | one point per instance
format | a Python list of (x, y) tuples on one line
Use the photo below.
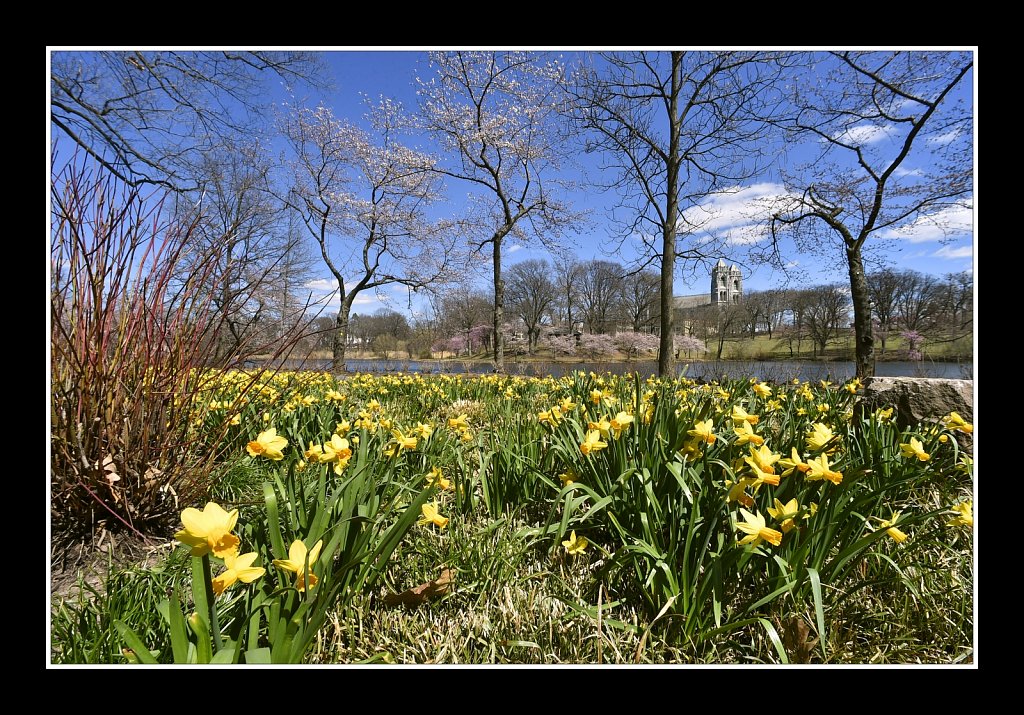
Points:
[(150, 117), (568, 277), (917, 301), (640, 300), (827, 308), (674, 128), (363, 199), (600, 291), (494, 114), (883, 289), (255, 263), (531, 295), (870, 114)]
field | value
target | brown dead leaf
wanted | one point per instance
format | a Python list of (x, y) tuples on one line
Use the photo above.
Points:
[(797, 641), (419, 594)]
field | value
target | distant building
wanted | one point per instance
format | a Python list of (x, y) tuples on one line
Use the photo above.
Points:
[(726, 288)]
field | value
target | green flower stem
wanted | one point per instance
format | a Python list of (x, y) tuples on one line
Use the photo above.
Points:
[(212, 602)]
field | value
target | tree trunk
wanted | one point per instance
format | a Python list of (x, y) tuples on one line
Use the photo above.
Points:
[(864, 340), (499, 309), (666, 358), (340, 339)]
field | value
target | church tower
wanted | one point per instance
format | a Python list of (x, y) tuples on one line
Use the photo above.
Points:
[(726, 284)]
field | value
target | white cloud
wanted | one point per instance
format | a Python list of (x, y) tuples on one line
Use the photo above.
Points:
[(864, 134), (322, 285), (958, 252), (737, 216), (944, 138), (514, 247), (952, 221), (900, 171)]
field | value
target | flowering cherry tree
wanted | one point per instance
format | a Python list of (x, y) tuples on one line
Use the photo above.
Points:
[(363, 198), (493, 114)]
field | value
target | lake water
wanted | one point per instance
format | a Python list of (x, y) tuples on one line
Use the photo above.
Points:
[(771, 370)]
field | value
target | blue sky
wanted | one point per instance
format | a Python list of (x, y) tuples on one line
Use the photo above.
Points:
[(360, 74)]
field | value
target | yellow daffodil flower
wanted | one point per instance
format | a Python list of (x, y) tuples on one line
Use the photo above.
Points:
[(785, 513), (575, 545), (436, 478), (602, 425), (460, 422), (314, 452), (740, 415), (691, 450), (703, 431), (818, 469), (756, 531), (209, 530), (595, 396), (620, 422), (793, 463), (336, 450), (853, 385), (762, 389), (955, 422), (914, 449), (237, 568), (296, 563), (432, 515), (592, 442), (567, 405), (343, 428), (889, 525), (762, 458), (738, 492), (819, 436), (964, 514), (884, 415), (568, 477), (268, 444), (423, 431), (745, 434)]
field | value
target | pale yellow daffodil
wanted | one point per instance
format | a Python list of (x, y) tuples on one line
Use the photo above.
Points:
[(575, 545), (756, 531), (209, 530), (296, 563), (267, 444), (237, 568)]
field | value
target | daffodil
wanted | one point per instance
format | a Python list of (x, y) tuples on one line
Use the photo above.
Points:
[(785, 513), (337, 451), (740, 415), (853, 385), (964, 514), (343, 427), (209, 530), (793, 463), (460, 422), (568, 477), (423, 431), (592, 442), (818, 469), (237, 568), (575, 545), (884, 415), (567, 405), (703, 431), (955, 422), (745, 434), (620, 422), (436, 478), (914, 448), (738, 491), (297, 563), (890, 527), (432, 515), (756, 531), (819, 437), (762, 389), (268, 444), (602, 425)]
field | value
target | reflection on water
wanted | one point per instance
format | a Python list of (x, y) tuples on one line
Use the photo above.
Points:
[(769, 370)]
